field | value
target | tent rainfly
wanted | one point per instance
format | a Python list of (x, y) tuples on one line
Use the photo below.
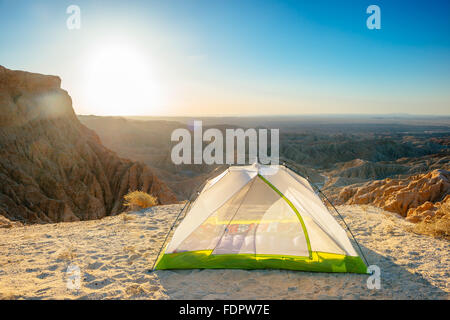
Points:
[(260, 217)]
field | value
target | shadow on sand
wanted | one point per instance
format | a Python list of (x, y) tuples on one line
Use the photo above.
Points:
[(396, 283)]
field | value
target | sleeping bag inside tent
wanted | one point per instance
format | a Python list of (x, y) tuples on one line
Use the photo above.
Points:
[(258, 217)]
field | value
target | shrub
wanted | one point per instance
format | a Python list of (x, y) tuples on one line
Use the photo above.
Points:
[(439, 228), (139, 199)]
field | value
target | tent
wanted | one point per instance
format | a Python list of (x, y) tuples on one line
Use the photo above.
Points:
[(258, 217)]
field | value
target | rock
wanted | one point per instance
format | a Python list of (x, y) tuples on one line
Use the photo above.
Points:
[(417, 197), (6, 223), (429, 211), (52, 167)]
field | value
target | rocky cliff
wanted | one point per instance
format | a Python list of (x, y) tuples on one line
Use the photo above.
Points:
[(53, 168), (419, 197)]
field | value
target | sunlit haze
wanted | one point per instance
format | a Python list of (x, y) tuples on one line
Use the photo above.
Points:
[(119, 80), (236, 57)]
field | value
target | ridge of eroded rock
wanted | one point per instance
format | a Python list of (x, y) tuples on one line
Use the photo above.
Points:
[(52, 167)]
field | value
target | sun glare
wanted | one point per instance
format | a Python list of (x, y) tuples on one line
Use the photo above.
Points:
[(119, 81)]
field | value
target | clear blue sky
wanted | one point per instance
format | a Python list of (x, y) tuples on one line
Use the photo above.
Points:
[(236, 57)]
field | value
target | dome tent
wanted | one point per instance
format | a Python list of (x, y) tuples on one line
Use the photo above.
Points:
[(258, 217)]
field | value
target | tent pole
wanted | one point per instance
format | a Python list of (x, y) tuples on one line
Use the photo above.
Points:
[(168, 233), (326, 198), (356, 241), (179, 214)]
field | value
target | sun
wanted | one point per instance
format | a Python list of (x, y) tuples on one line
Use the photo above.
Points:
[(119, 81)]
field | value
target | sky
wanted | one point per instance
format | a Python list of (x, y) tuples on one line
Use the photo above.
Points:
[(236, 57)]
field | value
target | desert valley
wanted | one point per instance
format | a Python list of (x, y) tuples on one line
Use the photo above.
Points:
[(64, 177), (398, 163)]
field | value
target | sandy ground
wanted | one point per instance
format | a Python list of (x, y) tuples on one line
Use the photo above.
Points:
[(115, 255)]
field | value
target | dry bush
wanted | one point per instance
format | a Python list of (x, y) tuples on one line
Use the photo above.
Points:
[(139, 200), (439, 228), (437, 225)]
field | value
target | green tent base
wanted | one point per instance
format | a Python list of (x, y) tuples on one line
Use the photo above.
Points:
[(260, 217), (204, 259)]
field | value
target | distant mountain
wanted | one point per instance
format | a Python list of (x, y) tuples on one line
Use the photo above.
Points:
[(53, 168), (344, 150)]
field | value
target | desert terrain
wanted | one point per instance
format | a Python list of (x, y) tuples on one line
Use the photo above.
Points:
[(334, 149), (115, 255), (399, 163), (64, 177)]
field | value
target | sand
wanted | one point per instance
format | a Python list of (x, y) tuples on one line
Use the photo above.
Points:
[(114, 256)]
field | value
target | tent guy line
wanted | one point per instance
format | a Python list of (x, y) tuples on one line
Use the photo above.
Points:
[(244, 219)]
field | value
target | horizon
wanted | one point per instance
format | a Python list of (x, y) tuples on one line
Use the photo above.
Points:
[(157, 59), (340, 115)]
